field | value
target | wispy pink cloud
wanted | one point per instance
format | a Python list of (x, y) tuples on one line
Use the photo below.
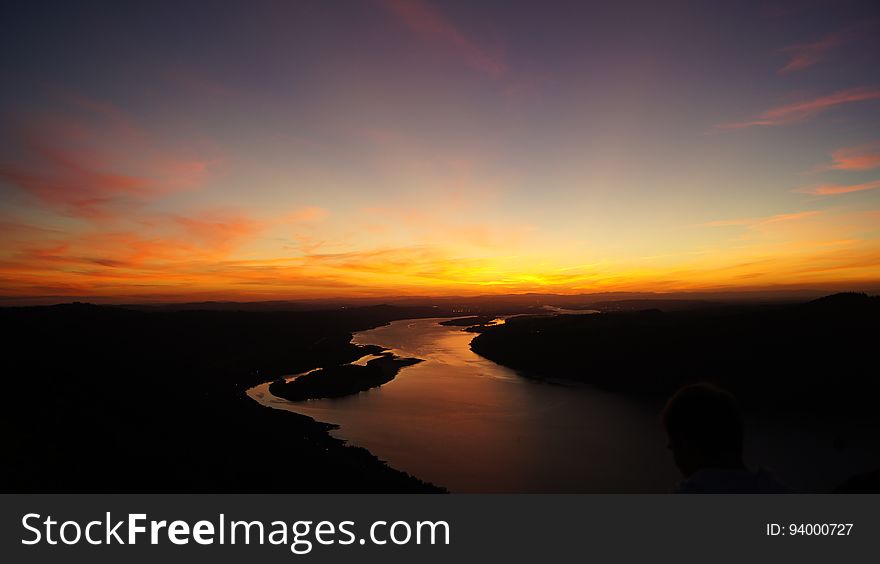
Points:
[(81, 190), (800, 111), (752, 222), (98, 167), (427, 22), (837, 189), (805, 55)]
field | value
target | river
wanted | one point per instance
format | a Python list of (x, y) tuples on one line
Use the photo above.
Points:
[(463, 422), (466, 423)]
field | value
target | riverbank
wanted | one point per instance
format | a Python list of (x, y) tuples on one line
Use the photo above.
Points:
[(108, 399), (779, 356), (471, 425), (323, 462)]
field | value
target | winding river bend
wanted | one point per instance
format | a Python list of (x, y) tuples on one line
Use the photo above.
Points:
[(466, 423), (461, 421)]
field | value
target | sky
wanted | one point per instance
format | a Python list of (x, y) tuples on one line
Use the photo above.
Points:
[(262, 150)]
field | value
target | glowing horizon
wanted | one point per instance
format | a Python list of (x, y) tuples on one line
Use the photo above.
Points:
[(407, 147)]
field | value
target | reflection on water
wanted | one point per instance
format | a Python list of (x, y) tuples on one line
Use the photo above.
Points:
[(466, 423), (362, 361)]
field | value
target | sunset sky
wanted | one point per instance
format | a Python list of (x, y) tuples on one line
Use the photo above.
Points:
[(283, 150)]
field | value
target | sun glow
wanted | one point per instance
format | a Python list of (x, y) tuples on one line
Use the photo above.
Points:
[(451, 158)]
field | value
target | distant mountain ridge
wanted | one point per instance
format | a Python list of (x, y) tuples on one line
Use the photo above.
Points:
[(466, 303)]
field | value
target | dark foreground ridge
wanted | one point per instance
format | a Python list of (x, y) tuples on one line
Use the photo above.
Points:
[(342, 380), (817, 356), (109, 399)]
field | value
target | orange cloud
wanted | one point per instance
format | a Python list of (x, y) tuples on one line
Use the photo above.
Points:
[(131, 267), (864, 157), (800, 111), (181, 260), (155, 256), (217, 231), (307, 214), (424, 20), (836, 189)]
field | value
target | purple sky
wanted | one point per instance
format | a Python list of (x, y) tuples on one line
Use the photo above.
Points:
[(265, 150)]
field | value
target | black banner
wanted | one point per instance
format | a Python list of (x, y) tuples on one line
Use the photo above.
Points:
[(408, 528)]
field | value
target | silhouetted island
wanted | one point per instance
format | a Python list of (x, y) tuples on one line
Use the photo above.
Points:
[(468, 321), (341, 380), (474, 324)]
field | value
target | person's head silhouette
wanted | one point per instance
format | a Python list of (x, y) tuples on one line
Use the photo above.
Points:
[(705, 429)]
